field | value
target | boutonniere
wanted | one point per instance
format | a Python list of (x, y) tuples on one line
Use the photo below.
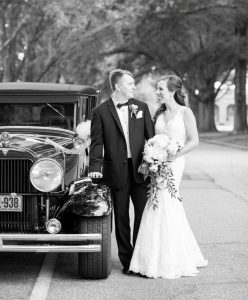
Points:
[(134, 110)]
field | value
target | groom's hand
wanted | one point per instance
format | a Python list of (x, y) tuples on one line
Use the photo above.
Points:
[(95, 175)]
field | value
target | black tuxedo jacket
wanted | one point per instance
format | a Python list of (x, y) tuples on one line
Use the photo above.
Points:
[(108, 150)]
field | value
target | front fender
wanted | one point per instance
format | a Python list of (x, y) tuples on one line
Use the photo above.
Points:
[(87, 199)]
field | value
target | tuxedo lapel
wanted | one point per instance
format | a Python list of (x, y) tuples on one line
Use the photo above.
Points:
[(114, 114), (130, 118)]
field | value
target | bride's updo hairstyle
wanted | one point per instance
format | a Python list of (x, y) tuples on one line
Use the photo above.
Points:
[(174, 84)]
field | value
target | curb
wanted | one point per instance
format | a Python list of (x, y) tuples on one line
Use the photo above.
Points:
[(223, 144)]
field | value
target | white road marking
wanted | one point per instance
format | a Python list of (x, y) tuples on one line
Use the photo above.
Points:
[(43, 281)]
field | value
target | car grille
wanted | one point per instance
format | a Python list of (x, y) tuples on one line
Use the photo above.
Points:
[(14, 178)]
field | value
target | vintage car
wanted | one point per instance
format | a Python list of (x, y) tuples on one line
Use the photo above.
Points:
[(47, 204)]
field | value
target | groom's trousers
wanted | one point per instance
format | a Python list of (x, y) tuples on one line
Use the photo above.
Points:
[(121, 199)]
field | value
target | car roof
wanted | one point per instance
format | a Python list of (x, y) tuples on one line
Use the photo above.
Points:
[(38, 88)]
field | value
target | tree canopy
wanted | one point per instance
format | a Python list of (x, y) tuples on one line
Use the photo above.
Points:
[(43, 40), (80, 41), (196, 40)]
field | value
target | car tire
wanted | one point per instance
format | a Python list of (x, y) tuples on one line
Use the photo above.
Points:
[(96, 265)]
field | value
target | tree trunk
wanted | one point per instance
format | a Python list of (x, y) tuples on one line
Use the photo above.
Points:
[(211, 110), (206, 116), (10, 51), (9, 63), (240, 112), (194, 105)]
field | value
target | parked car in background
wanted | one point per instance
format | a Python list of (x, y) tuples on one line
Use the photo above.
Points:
[(46, 203)]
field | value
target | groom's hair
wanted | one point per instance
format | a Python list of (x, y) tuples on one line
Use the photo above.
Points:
[(116, 75)]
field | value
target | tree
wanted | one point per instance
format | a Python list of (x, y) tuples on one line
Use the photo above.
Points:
[(240, 114), (194, 40), (81, 40), (45, 40)]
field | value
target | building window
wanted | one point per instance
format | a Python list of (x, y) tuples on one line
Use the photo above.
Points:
[(216, 113), (230, 113)]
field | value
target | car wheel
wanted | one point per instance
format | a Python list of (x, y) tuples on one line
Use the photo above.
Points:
[(96, 265)]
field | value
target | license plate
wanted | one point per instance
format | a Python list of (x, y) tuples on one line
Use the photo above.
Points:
[(11, 203)]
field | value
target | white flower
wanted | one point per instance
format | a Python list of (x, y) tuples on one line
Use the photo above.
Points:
[(172, 148), (154, 168), (158, 154), (148, 159), (83, 130), (159, 179), (164, 140), (134, 109)]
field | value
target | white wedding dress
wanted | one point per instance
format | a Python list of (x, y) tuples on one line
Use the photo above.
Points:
[(165, 246)]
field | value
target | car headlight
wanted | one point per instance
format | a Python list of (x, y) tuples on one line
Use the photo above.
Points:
[(53, 226), (46, 175)]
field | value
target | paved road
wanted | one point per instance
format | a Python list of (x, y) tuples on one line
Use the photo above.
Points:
[(215, 192)]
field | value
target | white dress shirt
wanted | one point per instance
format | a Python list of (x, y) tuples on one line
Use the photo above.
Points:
[(124, 119)]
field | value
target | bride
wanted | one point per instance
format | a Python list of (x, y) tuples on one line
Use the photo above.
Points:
[(166, 246)]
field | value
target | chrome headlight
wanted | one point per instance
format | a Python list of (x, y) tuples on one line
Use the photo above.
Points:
[(46, 175), (53, 226)]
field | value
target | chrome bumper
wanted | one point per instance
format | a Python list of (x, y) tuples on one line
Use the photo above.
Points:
[(43, 242)]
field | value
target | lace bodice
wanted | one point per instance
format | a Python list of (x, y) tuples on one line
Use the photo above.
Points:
[(175, 128)]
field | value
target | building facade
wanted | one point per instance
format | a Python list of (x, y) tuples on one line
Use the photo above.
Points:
[(224, 110)]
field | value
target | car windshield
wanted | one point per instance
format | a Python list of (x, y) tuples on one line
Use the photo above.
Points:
[(39, 114)]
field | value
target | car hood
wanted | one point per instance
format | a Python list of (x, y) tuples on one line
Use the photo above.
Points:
[(38, 141)]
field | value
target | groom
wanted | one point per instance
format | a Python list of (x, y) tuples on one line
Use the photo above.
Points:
[(119, 128)]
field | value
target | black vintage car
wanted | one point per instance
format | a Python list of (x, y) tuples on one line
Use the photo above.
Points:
[(46, 203)]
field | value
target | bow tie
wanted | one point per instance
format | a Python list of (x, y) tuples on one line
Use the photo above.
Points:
[(119, 105)]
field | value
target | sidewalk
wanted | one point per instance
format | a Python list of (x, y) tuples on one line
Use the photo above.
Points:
[(226, 139)]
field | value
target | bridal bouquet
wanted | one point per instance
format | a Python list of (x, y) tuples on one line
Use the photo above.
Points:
[(157, 156)]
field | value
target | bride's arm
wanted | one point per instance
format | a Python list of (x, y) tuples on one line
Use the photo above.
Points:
[(192, 140)]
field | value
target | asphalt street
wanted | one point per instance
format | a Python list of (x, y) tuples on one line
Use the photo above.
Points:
[(214, 190)]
